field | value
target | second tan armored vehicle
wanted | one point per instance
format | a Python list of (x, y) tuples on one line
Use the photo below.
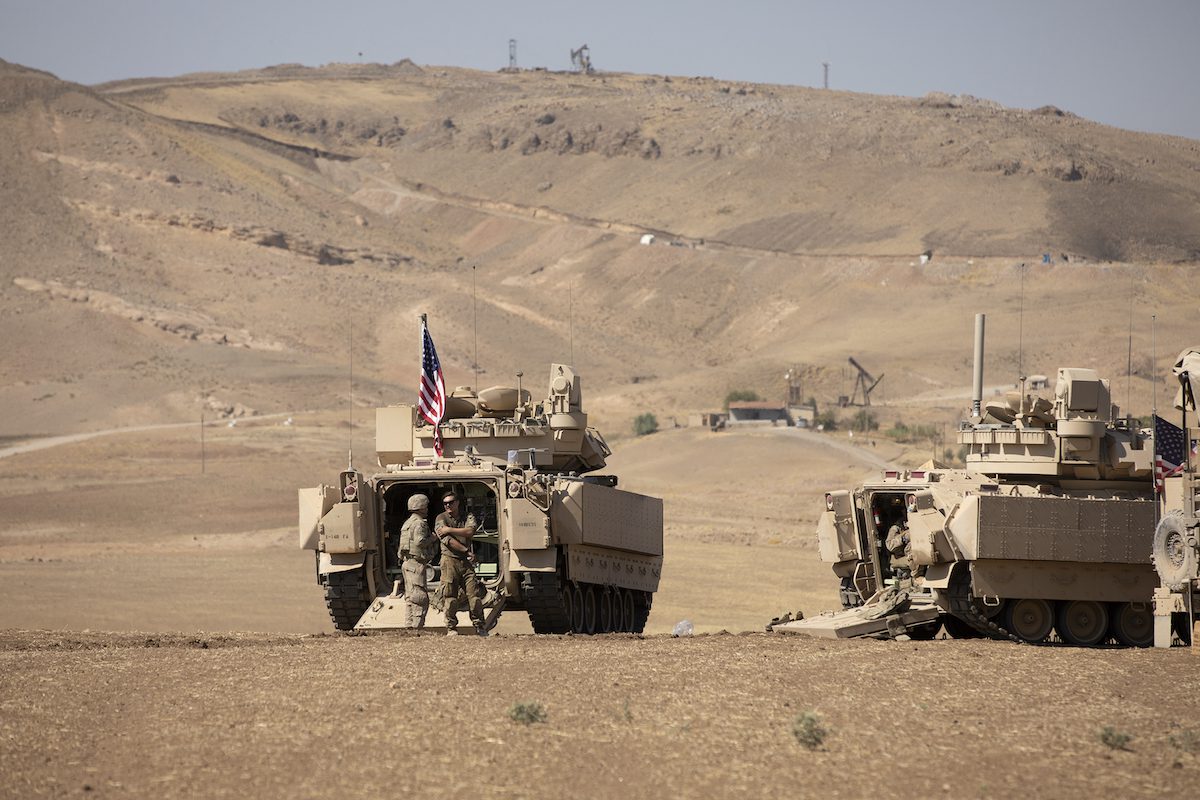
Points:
[(1177, 535), (1046, 530), (565, 546)]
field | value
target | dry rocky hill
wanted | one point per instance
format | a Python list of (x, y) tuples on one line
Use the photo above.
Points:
[(225, 242)]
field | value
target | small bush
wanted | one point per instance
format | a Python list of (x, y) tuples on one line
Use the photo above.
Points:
[(864, 421), (826, 420), (644, 424), (1187, 740), (527, 713), (741, 396), (1114, 739), (809, 731)]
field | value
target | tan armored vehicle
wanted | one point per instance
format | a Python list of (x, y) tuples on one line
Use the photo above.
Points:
[(1177, 536), (567, 547), (1045, 530)]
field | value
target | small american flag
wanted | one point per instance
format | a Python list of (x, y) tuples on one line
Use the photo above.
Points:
[(1168, 451), (431, 396)]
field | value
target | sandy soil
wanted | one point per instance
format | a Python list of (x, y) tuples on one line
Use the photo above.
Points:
[(113, 715)]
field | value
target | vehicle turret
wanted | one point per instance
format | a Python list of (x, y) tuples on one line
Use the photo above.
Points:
[(499, 425)]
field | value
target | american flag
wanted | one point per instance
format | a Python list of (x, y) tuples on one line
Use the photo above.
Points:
[(431, 396), (1168, 451)]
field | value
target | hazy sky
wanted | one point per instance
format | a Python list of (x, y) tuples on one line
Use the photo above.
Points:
[(1131, 64)]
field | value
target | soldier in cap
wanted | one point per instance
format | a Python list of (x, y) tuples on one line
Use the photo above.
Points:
[(455, 529), (418, 549)]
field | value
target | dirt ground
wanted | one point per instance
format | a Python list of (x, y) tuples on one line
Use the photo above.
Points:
[(116, 715)]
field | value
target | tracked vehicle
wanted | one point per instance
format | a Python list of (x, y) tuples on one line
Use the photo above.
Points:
[(1046, 530), (567, 547), (1177, 535)]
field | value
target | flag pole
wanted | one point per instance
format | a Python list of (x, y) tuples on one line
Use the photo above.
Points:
[(1154, 417)]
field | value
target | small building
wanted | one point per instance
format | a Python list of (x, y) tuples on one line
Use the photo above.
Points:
[(713, 420), (802, 416), (759, 412)]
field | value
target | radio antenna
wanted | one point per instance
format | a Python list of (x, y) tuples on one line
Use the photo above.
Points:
[(350, 455), (1129, 363), (1154, 360), (475, 314), (1021, 330), (571, 320)]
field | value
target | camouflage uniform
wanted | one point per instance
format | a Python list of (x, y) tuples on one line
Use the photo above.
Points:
[(418, 549), (898, 548), (458, 573)]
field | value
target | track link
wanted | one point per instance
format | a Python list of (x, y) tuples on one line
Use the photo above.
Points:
[(346, 598), (541, 593), (962, 606)]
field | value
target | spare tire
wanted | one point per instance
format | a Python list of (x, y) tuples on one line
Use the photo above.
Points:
[(1174, 555)]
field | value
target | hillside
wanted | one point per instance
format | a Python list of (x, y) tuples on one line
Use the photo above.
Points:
[(223, 242)]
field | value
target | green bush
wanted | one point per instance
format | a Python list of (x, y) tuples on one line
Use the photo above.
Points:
[(645, 423), (1115, 739), (864, 421), (809, 730), (1186, 739), (826, 420), (906, 434), (740, 396), (527, 712)]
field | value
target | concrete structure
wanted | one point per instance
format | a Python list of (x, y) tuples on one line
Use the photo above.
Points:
[(758, 411)]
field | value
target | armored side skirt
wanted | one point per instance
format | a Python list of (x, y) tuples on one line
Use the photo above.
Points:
[(609, 568), (1058, 580)]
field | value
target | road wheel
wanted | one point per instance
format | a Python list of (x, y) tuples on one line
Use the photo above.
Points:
[(589, 610), (1028, 620), (958, 629), (568, 601), (1131, 624), (627, 611), (346, 597), (641, 610), (1082, 622), (925, 631), (576, 608), (605, 610)]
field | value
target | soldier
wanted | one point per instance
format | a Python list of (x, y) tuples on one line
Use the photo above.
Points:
[(418, 549), (455, 530), (900, 550)]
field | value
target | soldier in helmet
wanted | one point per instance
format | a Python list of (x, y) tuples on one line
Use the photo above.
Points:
[(418, 549), (455, 528)]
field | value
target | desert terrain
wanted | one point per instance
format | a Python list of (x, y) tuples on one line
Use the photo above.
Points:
[(252, 250)]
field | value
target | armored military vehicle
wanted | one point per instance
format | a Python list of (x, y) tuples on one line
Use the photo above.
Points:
[(1046, 529), (1177, 535), (566, 546)]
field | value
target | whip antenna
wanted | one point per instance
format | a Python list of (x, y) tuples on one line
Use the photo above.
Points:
[(475, 314), (1021, 330), (1129, 363), (350, 454), (571, 320)]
